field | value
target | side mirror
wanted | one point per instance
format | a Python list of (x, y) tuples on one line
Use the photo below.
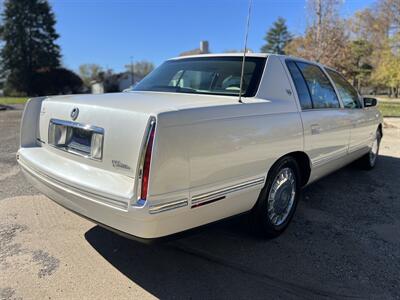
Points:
[(369, 102)]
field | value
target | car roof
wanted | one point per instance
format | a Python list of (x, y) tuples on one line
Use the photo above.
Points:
[(222, 55), (250, 54)]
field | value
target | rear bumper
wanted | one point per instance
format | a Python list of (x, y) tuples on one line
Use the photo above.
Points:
[(101, 208), (130, 222)]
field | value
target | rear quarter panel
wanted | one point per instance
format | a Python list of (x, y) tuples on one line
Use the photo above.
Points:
[(204, 149)]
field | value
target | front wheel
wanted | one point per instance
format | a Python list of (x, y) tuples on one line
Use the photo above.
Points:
[(278, 199), (368, 161)]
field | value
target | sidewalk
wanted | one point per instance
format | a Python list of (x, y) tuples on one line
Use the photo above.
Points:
[(386, 99), (391, 122)]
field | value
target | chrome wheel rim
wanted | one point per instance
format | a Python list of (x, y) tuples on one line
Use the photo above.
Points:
[(281, 196), (373, 153)]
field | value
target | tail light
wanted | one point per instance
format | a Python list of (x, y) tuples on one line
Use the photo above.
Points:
[(145, 161)]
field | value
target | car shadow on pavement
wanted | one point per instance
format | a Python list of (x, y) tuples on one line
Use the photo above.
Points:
[(337, 246)]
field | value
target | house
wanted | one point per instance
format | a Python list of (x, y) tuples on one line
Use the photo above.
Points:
[(115, 83)]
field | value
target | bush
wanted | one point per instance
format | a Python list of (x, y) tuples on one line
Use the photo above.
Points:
[(55, 82), (9, 91), (12, 88)]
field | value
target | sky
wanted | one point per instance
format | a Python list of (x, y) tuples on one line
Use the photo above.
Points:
[(110, 32)]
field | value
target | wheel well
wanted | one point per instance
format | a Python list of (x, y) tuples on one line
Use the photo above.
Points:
[(380, 129), (304, 163)]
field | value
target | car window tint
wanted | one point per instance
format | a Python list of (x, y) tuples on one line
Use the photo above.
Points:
[(206, 75), (300, 84), (322, 93), (347, 93)]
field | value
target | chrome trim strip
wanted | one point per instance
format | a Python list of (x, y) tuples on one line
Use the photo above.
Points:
[(52, 182), (77, 125), (150, 127), (321, 161), (205, 197), (208, 202), (155, 209)]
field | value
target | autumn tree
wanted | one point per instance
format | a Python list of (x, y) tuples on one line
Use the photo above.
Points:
[(370, 25), (141, 68), (325, 39), (29, 35), (391, 9), (380, 27), (277, 37), (387, 72), (90, 72)]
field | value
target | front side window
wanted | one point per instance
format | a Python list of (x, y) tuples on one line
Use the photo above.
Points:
[(205, 75), (346, 91), (322, 93)]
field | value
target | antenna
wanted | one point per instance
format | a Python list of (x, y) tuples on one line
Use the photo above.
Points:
[(245, 50)]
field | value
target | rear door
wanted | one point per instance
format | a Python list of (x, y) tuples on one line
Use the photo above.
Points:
[(361, 132), (326, 125)]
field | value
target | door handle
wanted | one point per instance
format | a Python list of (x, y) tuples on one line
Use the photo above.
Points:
[(315, 129)]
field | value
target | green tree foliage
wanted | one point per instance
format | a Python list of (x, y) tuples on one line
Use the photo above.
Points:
[(29, 42), (277, 38), (380, 27), (387, 73), (358, 66)]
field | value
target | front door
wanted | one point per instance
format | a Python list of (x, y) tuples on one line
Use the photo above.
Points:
[(362, 120)]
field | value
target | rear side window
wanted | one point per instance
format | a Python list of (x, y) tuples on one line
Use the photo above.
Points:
[(300, 84), (346, 91), (322, 93)]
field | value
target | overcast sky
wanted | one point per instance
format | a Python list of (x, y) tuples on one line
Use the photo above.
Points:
[(109, 32)]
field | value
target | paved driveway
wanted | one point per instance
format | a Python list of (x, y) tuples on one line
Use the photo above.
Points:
[(344, 242)]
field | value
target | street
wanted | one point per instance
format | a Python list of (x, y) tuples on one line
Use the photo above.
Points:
[(344, 242)]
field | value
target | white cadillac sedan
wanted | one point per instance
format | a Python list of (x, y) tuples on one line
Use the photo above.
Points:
[(182, 149)]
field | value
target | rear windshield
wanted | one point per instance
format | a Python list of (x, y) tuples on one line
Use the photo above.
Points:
[(205, 75)]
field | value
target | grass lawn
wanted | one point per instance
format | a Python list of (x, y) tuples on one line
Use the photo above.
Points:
[(389, 109), (12, 100)]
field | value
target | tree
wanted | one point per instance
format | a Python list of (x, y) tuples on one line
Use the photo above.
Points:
[(387, 73), (380, 27), (29, 35), (358, 66), (141, 68), (325, 39), (277, 37), (90, 72), (370, 25), (54, 81), (391, 9)]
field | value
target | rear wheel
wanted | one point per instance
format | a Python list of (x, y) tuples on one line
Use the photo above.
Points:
[(368, 161), (278, 199)]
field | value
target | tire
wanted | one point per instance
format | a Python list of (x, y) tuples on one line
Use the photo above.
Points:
[(278, 199), (368, 161)]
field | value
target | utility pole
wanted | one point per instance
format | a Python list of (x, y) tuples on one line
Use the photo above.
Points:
[(132, 72)]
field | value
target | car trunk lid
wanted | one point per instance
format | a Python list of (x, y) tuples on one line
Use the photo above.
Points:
[(118, 132)]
